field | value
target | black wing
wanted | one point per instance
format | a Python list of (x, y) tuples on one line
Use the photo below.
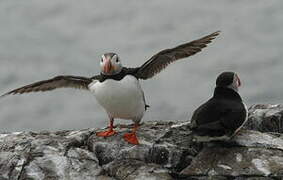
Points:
[(225, 116), (162, 59), (54, 83)]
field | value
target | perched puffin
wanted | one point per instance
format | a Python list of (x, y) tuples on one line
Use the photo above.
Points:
[(117, 88), (224, 114)]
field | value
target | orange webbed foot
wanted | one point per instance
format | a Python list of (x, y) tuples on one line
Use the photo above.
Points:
[(106, 133), (131, 138)]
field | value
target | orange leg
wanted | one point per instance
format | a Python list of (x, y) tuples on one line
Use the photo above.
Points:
[(109, 132), (132, 137)]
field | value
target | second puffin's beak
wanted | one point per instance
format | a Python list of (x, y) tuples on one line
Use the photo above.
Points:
[(239, 81), (107, 66)]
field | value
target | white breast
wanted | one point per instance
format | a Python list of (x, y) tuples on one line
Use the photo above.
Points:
[(121, 99)]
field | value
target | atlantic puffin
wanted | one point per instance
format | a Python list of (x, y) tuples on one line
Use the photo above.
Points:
[(117, 88), (223, 115)]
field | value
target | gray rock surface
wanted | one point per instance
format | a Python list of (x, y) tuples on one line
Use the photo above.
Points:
[(166, 151), (265, 118), (257, 155), (82, 155)]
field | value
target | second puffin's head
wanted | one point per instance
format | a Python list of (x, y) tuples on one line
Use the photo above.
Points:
[(110, 64), (228, 80)]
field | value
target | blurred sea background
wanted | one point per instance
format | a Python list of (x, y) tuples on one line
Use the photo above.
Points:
[(40, 39)]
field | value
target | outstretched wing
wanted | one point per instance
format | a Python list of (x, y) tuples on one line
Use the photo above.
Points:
[(54, 83), (162, 59)]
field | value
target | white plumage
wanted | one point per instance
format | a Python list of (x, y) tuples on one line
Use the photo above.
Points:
[(121, 99)]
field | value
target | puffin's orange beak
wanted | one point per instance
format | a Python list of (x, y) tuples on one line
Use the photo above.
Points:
[(107, 66), (239, 81)]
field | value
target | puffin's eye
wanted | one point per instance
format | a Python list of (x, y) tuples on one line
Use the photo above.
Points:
[(101, 59), (117, 60)]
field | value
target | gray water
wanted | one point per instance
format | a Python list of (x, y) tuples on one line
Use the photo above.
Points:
[(40, 39)]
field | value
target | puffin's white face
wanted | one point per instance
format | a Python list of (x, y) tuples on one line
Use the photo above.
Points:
[(236, 83), (110, 64)]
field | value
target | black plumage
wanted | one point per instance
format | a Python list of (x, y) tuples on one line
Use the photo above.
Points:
[(76, 82), (163, 58), (223, 114)]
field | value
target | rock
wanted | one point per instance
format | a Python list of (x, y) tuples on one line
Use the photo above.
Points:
[(161, 143), (165, 148), (166, 151), (265, 118), (237, 162), (136, 169), (258, 140), (47, 155), (250, 153)]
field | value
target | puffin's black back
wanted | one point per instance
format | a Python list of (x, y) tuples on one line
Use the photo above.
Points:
[(222, 114)]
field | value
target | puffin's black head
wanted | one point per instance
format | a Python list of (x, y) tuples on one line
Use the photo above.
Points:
[(229, 80), (110, 64)]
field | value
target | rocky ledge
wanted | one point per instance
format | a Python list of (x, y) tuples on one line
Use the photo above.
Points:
[(167, 151)]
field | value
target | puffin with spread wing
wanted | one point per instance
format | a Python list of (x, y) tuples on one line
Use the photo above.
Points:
[(117, 88)]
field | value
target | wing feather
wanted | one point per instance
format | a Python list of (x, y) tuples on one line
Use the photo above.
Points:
[(163, 58), (77, 82)]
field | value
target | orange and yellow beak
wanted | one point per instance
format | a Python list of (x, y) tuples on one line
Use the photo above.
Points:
[(107, 68), (239, 83)]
